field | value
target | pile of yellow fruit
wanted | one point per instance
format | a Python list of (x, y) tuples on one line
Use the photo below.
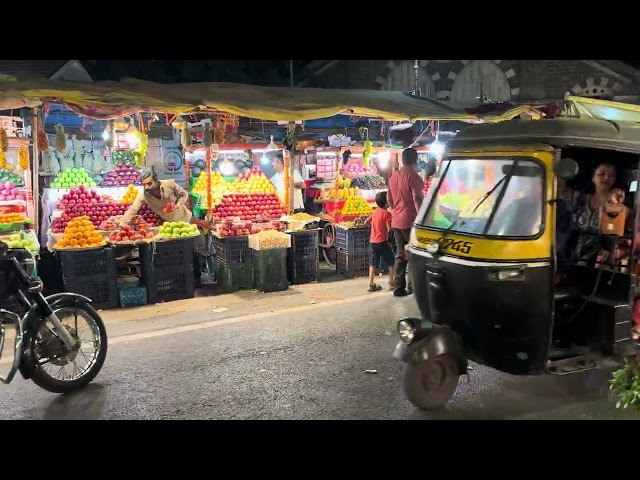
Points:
[(253, 183), (130, 194), (339, 193), (80, 233), (217, 182), (356, 206)]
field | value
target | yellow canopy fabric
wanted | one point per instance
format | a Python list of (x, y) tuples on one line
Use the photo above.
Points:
[(603, 109), (265, 103)]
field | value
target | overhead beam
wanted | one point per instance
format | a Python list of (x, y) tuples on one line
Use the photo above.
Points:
[(608, 71)]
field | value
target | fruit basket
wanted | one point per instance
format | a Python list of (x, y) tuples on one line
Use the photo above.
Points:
[(269, 239), (176, 230)]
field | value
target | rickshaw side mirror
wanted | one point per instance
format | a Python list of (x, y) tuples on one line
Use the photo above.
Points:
[(566, 168)]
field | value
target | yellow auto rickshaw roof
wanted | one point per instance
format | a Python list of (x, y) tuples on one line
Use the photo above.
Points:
[(558, 132)]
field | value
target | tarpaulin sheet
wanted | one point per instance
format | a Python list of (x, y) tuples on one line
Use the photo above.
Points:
[(603, 109), (105, 100)]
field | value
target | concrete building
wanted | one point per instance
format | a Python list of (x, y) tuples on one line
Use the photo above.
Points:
[(465, 81)]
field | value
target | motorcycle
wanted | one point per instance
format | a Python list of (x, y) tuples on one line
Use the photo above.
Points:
[(48, 334)]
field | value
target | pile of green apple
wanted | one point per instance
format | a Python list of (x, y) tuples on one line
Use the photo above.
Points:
[(72, 178), (178, 230), (22, 240)]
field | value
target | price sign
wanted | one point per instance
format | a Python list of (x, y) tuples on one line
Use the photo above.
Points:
[(14, 126)]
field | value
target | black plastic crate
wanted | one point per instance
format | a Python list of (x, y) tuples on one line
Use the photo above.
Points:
[(352, 264), (167, 255), (304, 269), (234, 276), (80, 263), (270, 270), (353, 240), (102, 290), (304, 243), (170, 285), (233, 249)]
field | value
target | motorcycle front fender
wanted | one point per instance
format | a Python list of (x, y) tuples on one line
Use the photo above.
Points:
[(32, 318), (433, 341)]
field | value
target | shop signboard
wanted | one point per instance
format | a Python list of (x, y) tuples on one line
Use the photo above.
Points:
[(14, 126), (172, 162)]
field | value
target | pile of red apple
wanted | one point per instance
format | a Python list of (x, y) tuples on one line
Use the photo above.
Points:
[(82, 201), (122, 176), (229, 228), (249, 206), (128, 234)]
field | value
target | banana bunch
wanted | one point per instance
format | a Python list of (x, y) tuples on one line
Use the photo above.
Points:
[(23, 158), (218, 135), (366, 154), (207, 138), (4, 146), (42, 140), (185, 138)]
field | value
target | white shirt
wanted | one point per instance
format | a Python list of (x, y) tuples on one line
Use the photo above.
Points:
[(278, 182)]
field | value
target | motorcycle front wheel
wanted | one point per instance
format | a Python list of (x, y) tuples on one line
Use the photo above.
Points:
[(60, 370)]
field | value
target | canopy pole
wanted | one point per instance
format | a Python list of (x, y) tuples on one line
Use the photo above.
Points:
[(35, 170)]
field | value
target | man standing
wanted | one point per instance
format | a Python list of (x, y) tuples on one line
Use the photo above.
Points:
[(404, 195), (278, 181)]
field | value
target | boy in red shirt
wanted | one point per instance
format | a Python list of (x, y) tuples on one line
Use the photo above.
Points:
[(380, 221)]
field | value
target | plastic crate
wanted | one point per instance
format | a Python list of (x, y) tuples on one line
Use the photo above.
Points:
[(132, 294), (303, 269), (352, 264), (234, 276), (353, 240), (102, 290), (232, 249), (170, 285), (167, 255), (79, 264), (304, 243), (270, 270)]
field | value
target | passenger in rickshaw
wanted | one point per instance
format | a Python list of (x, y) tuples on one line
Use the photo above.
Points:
[(587, 221)]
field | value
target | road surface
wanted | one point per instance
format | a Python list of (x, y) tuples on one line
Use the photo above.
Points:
[(299, 360)]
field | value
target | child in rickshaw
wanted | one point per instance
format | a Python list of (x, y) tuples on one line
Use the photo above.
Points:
[(379, 247)]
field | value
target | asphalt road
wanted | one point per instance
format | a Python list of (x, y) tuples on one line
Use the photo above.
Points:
[(303, 363)]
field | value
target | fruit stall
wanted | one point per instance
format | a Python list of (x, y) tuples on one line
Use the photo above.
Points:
[(17, 210)]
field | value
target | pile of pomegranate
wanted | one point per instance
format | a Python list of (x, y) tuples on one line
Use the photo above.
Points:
[(82, 201), (128, 234), (249, 206), (122, 176)]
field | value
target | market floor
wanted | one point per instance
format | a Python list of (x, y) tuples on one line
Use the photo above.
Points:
[(299, 355)]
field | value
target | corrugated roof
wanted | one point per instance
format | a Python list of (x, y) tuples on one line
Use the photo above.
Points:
[(45, 68)]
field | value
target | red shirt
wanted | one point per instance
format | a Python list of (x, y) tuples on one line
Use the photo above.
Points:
[(404, 186), (379, 230)]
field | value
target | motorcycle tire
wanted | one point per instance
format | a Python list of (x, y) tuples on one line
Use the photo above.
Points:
[(53, 385)]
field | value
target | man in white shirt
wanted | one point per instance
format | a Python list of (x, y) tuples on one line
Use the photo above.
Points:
[(278, 181)]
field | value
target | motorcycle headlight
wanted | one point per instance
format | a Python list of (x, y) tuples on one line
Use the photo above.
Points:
[(406, 330)]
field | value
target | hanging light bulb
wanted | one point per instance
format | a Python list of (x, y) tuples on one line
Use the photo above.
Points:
[(272, 145), (178, 123), (131, 136), (264, 160), (106, 133)]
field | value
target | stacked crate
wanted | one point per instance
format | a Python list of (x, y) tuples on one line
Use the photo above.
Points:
[(233, 261), (352, 251), (167, 269), (91, 273), (303, 258)]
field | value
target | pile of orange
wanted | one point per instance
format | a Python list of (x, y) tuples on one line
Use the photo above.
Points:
[(12, 218), (80, 233)]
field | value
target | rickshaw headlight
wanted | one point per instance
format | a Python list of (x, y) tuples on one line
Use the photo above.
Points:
[(433, 247), (406, 331)]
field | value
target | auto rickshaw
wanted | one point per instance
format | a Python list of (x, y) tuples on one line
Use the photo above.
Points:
[(485, 263)]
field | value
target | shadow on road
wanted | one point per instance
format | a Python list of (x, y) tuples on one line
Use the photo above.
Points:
[(530, 398), (85, 404)]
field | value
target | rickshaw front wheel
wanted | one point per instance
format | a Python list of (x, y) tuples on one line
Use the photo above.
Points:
[(429, 384)]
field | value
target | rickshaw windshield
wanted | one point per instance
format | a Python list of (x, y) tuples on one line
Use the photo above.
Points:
[(490, 197)]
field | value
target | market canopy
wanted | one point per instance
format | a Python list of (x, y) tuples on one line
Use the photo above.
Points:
[(107, 100), (593, 108)]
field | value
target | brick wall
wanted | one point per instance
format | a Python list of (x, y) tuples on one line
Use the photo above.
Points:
[(534, 79)]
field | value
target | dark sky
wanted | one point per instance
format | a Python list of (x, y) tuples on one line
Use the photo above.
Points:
[(259, 72)]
